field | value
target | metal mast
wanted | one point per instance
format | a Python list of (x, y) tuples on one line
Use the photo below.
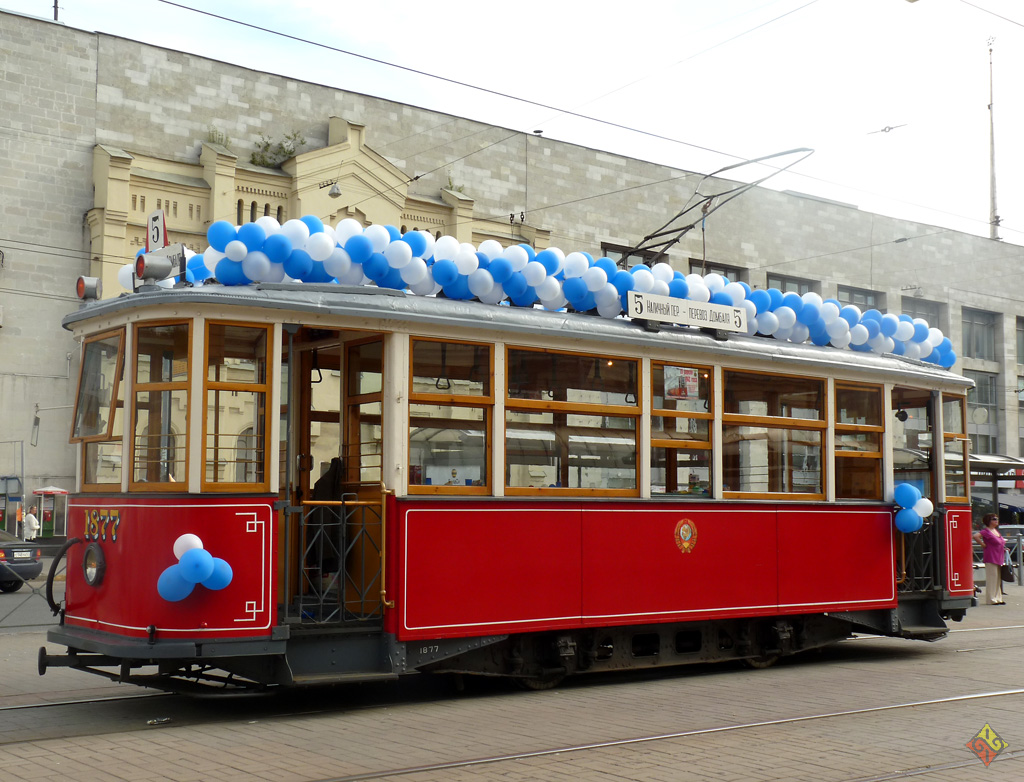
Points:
[(993, 214)]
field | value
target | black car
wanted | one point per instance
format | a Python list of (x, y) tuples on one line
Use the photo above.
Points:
[(20, 561)]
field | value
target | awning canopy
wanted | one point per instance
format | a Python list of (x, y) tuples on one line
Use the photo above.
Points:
[(51, 490)]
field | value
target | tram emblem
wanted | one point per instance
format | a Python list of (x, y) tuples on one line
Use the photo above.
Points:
[(686, 535)]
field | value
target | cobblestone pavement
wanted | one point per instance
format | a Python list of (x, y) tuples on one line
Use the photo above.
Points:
[(717, 723)]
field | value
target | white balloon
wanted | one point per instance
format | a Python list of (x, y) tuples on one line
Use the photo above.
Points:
[(786, 316), (643, 280), (830, 312), (378, 235), (126, 275), (888, 345), (924, 507), (813, 298), (767, 323), (913, 350), (575, 265), (535, 273), (606, 295), (275, 274), (480, 282), (446, 248), (186, 542), (858, 334), (466, 261), (354, 275), (549, 289), (841, 340), (662, 271), (782, 334), (554, 305), (837, 328), (609, 309), (319, 246), (414, 272), (596, 278), (346, 229), (715, 282), (211, 258), (297, 231), (799, 333), (491, 248), (329, 230), (236, 250), (256, 266), (659, 288), (398, 254), (694, 279), (497, 294), (699, 292), (905, 330), (338, 263), (877, 341), (736, 292), (269, 224), (934, 337), (424, 287), (429, 252)]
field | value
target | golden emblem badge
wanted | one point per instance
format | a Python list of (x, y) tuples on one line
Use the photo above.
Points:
[(686, 535)]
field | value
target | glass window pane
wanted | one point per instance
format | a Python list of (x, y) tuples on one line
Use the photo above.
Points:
[(365, 368), (238, 354), (571, 378), (363, 455), (956, 485), (160, 436), (686, 389), (858, 479), (162, 354), (451, 368), (103, 460), (235, 440), (859, 441), (681, 471), (859, 406), (679, 428), (764, 459), (773, 395), (96, 388), (953, 415), (570, 451), (447, 445)]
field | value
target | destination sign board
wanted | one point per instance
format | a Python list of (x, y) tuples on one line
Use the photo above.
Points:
[(682, 312)]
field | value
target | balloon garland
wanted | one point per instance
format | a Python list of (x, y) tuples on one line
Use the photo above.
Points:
[(306, 250), (195, 566)]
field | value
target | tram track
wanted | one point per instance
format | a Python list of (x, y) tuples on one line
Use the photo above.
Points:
[(83, 701), (639, 740)]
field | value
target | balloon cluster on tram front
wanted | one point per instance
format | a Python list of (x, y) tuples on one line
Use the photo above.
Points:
[(306, 250)]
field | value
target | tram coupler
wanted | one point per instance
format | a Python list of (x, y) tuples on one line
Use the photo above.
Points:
[(72, 660)]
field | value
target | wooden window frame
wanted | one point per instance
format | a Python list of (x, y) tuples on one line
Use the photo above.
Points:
[(574, 408), (684, 445), (484, 402), (879, 429), (250, 388), (137, 388), (961, 436), (118, 374)]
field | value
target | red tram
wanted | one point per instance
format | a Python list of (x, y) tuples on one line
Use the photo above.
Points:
[(285, 484)]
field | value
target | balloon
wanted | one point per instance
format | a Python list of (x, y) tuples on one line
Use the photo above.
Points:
[(794, 302), (549, 258), (297, 231), (220, 233), (858, 334), (948, 359), (905, 330), (492, 248), (760, 299), (417, 243), (549, 289), (735, 292), (890, 325), (920, 332), (378, 236), (851, 314), (662, 271), (359, 248), (320, 246), (515, 286), (535, 273), (298, 264), (445, 271), (809, 314), (398, 254), (229, 272), (338, 263), (252, 236), (906, 495), (767, 323), (196, 564), (643, 280), (500, 269), (269, 225), (346, 229), (923, 507), (126, 275), (172, 586), (376, 267), (907, 521), (221, 575), (830, 312), (608, 266), (698, 292), (812, 298), (278, 247), (623, 281), (481, 283), (786, 316), (186, 542), (678, 289), (720, 297), (414, 272), (660, 288), (596, 278), (256, 266), (714, 282), (574, 289), (313, 223), (235, 250), (575, 264)]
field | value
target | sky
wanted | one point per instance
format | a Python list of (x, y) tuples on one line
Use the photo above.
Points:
[(892, 95)]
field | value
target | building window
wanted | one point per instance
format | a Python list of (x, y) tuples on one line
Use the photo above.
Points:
[(159, 204), (191, 210), (618, 254), (280, 215), (703, 268), (791, 284), (252, 212), (859, 297), (238, 212), (199, 212), (135, 208), (142, 203), (1020, 340), (982, 411), (979, 334), (930, 311), (174, 209)]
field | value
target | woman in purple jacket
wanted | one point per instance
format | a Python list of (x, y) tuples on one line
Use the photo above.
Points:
[(994, 556)]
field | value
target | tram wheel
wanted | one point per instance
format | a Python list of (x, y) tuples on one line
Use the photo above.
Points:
[(10, 586), (537, 683), (760, 663)]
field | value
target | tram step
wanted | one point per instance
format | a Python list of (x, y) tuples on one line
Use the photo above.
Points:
[(340, 678), (930, 632)]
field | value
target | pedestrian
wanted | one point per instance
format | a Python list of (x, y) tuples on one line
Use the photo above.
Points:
[(993, 557), (31, 524)]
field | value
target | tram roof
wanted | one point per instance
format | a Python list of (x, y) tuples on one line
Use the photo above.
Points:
[(393, 305)]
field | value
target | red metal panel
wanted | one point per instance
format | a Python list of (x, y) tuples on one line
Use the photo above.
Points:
[(469, 569), (838, 558), (959, 553), (137, 537), (637, 569)]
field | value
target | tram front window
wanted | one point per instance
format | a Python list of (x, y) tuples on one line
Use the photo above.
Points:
[(161, 403), (912, 438)]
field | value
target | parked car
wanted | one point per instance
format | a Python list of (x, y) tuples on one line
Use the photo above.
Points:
[(20, 561)]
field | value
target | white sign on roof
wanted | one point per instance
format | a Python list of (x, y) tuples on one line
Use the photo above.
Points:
[(666, 309)]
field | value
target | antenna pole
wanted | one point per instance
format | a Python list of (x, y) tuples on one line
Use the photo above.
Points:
[(993, 214)]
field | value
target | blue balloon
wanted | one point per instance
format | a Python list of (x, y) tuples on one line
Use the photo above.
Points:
[(908, 520), (589, 257), (945, 346), (530, 252), (677, 289), (313, 223), (794, 302), (746, 289), (359, 248), (318, 273), (838, 304), (445, 272), (872, 315), (898, 348), (818, 327), (906, 318), (549, 259), (376, 267), (515, 285), (230, 272), (298, 264), (821, 338), (172, 585), (906, 495), (526, 298), (574, 290), (277, 248), (393, 279), (607, 265), (934, 357), (416, 241), (850, 315), (624, 282), (500, 270), (889, 325), (722, 298), (393, 232), (459, 289), (482, 260), (221, 575), (588, 303), (775, 296), (195, 565), (760, 299), (948, 359), (920, 333), (874, 327), (220, 233), (252, 236), (638, 267), (809, 314)]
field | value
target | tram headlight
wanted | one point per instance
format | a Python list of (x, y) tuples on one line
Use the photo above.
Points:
[(94, 564)]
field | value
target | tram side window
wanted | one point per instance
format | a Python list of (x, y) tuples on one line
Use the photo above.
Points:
[(236, 389), (858, 437), (99, 407), (954, 436), (160, 406), (681, 415), (912, 438), (451, 402), (570, 423), (773, 431)]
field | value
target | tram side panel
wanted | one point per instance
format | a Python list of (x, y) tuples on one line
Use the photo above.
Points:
[(959, 553), (137, 538)]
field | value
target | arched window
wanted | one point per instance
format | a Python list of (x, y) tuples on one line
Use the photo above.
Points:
[(252, 212), (266, 210), (280, 214), (241, 206)]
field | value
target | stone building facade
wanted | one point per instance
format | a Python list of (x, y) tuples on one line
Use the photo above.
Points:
[(99, 131)]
